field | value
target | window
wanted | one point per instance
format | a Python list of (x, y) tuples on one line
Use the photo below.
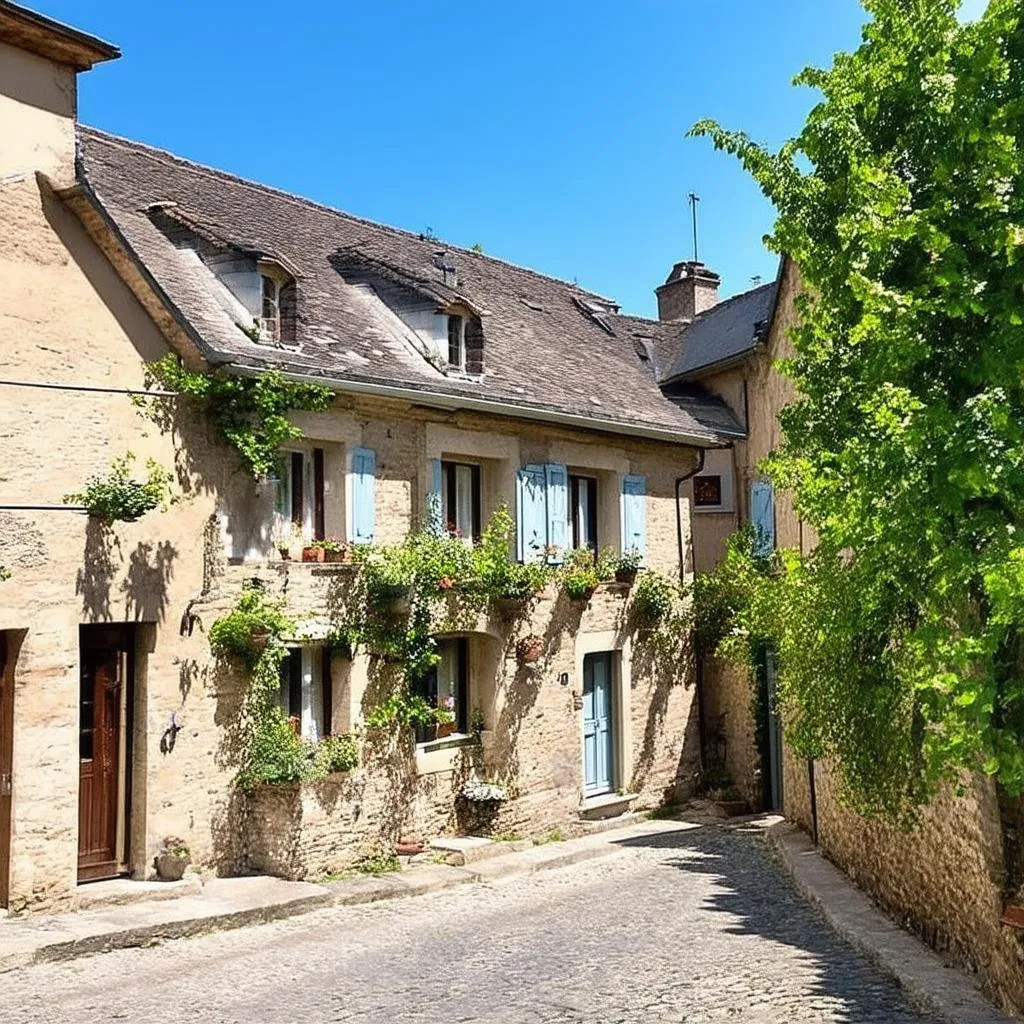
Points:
[(446, 686), (456, 341), (583, 499), (305, 691), (707, 490), (460, 500), (762, 516), (299, 498), (713, 488), (270, 309)]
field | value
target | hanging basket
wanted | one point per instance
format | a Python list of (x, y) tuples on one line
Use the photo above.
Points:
[(530, 649)]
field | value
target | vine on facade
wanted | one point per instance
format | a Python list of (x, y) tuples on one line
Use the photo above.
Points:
[(251, 413)]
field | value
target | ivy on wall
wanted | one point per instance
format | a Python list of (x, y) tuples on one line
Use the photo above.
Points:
[(251, 413), (900, 640)]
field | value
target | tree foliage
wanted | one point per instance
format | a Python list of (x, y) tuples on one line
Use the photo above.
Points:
[(902, 203)]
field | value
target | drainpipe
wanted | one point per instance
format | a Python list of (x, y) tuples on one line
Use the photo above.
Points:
[(699, 666)]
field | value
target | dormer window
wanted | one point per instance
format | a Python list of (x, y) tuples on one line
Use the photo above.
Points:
[(270, 309), (456, 341)]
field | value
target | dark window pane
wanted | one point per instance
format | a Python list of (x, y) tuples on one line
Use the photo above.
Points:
[(707, 490), (455, 341)]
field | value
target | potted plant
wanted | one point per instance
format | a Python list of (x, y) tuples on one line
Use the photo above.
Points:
[(516, 584), (314, 551), (336, 550), (626, 567), (529, 649), (445, 716), (172, 859), (579, 575), (118, 496), (390, 577)]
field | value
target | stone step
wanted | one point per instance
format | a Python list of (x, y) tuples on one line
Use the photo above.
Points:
[(462, 850), (119, 892)]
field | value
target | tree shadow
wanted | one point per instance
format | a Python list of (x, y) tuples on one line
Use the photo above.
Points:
[(150, 570), (761, 901), (100, 562)]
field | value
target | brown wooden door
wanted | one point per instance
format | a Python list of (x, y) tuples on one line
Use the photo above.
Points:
[(106, 655), (6, 763)]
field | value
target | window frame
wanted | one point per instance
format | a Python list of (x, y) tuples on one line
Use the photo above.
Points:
[(708, 477), (272, 279), (593, 492), (316, 659), (457, 319), (427, 688), (300, 494), (450, 499)]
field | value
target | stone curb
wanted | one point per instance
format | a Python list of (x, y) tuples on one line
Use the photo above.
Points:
[(946, 992), (86, 933)]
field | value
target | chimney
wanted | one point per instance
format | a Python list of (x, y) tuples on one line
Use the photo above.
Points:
[(690, 289)]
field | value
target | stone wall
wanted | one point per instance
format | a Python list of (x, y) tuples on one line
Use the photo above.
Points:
[(942, 880)]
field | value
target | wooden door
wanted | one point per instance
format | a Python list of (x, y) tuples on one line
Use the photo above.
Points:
[(6, 763), (598, 725), (106, 667)]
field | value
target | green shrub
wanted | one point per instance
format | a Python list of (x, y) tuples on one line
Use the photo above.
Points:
[(119, 497), (231, 636), (654, 597), (579, 574), (336, 754)]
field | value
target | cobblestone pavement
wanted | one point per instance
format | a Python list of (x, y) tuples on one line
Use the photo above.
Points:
[(692, 926)]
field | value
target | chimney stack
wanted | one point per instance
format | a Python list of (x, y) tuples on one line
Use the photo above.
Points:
[(691, 288)]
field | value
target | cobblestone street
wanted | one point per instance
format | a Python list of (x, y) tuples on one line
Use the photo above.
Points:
[(687, 926)]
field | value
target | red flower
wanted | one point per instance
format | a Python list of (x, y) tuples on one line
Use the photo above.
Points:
[(446, 583)]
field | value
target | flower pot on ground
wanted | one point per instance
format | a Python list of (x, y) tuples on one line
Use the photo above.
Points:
[(530, 649), (172, 859)]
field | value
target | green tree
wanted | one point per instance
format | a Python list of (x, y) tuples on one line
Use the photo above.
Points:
[(902, 203)]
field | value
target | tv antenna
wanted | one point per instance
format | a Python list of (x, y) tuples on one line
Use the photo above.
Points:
[(694, 200)]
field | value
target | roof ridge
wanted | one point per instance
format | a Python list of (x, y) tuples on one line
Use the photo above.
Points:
[(158, 152)]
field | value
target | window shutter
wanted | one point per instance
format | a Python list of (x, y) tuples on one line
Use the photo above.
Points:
[(434, 518), (634, 515), (557, 478), (762, 515), (361, 522), (531, 514)]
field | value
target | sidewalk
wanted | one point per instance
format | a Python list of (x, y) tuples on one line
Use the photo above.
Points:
[(947, 992), (224, 903)]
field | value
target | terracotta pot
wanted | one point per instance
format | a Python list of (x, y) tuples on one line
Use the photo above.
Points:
[(444, 729), (530, 649), (409, 847), (313, 554), (343, 557), (626, 576), (259, 639), (169, 867)]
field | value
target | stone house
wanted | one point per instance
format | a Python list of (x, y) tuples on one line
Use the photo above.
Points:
[(945, 879), (458, 382)]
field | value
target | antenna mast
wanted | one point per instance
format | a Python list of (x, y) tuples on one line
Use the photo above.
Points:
[(694, 200)]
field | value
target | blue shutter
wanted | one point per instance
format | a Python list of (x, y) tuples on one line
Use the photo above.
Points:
[(557, 478), (531, 514), (435, 501), (762, 515), (361, 522), (634, 515)]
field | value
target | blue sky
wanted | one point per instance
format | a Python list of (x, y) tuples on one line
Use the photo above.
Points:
[(549, 132)]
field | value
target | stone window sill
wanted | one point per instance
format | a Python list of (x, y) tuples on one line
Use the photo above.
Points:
[(442, 755), (606, 805)]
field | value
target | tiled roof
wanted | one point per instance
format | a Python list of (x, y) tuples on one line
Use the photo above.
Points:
[(725, 332), (548, 344)]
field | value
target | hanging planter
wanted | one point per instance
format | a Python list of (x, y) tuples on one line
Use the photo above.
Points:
[(511, 607), (530, 649)]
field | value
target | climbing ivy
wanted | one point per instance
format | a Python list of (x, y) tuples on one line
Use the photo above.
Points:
[(251, 413), (899, 640)]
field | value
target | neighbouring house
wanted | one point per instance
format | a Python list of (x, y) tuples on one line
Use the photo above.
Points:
[(457, 385), (946, 878)]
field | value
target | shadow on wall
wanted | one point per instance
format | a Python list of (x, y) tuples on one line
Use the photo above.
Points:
[(227, 824), (761, 902), (144, 587)]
